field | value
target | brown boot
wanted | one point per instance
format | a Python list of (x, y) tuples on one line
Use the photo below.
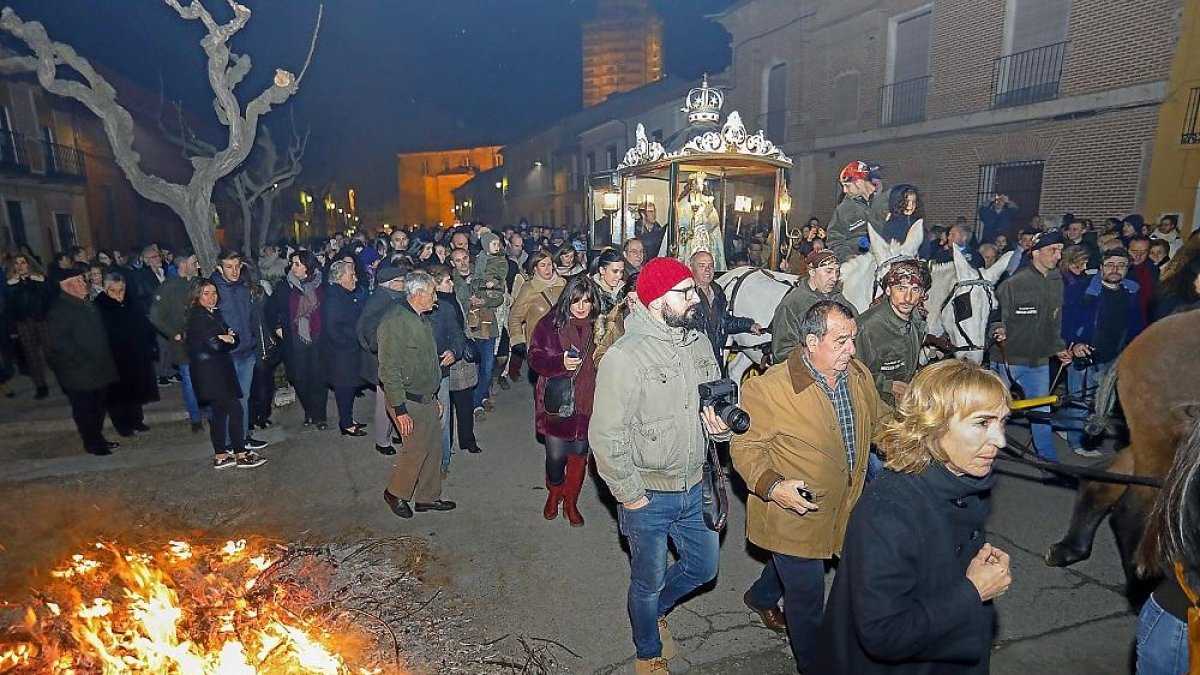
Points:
[(553, 499), (655, 666), (664, 637), (576, 472)]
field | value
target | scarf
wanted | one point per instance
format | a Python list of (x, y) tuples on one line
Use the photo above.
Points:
[(307, 304)]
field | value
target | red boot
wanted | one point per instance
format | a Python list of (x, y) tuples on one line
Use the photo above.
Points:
[(550, 510), (576, 472)]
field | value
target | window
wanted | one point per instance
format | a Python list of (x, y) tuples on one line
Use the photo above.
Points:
[(9, 150), (16, 222), (64, 227), (590, 163), (1037, 47), (610, 156), (902, 100), (424, 167), (776, 102), (657, 135), (1191, 131), (1021, 181), (445, 164), (49, 148)]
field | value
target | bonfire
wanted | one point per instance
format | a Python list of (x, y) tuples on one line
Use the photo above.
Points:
[(184, 609)]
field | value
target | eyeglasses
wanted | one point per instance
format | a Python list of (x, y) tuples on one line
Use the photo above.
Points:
[(1115, 266), (690, 291)]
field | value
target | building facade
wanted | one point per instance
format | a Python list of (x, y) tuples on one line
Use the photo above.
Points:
[(1053, 102), (427, 180), (622, 49), (1174, 183)]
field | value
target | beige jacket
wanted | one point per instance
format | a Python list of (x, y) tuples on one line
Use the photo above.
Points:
[(532, 300)]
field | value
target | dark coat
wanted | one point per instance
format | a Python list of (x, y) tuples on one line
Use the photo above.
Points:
[(141, 286), (901, 602), (77, 345), (546, 348), (448, 333), (27, 300), (280, 308), (718, 322), (134, 343), (169, 312), (366, 329), (213, 375), (341, 357)]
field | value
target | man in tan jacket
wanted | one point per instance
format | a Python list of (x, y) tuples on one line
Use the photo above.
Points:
[(805, 460)]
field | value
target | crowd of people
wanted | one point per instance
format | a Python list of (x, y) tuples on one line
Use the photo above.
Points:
[(855, 449)]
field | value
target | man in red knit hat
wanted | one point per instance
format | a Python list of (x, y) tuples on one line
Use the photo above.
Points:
[(648, 435)]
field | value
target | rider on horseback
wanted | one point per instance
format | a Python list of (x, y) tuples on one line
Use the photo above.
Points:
[(863, 205)]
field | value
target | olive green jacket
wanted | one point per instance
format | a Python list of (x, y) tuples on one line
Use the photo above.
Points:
[(408, 359), (889, 347), (785, 325)]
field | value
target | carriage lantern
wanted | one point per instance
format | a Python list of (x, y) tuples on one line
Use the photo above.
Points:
[(720, 185)]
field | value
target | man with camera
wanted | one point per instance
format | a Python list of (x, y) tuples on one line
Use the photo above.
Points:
[(824, 273), (804, 459), (648, 433), (1098, 327)]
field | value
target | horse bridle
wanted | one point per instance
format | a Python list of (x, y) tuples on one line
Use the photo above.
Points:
[(991, 293), (733, 291)]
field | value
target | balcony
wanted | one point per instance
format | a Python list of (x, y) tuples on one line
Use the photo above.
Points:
[(1191, 130), (1028, 77), (13, 155), (63, 162), (903, 102)]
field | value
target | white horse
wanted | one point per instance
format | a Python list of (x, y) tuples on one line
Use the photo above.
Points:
[(755, 292), (960, 302)]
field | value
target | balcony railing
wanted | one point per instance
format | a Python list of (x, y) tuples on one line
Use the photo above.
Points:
[(903, 102), (62, 161), (1028, 77), (1191, 117), (13, 156)]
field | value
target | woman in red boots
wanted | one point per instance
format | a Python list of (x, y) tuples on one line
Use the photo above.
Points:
[(562, 345)]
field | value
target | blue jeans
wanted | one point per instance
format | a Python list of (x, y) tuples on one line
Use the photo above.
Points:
[(1081, 383), (1035, 380), (1162, 646), (444, 399), (189, 395), (655, 587), (803, 603), (487, 361), (244, 365)]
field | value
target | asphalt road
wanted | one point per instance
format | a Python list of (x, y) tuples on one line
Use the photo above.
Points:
[(524, 576)]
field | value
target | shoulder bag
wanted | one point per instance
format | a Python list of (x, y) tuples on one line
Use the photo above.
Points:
[(715, 488), (559, 396)]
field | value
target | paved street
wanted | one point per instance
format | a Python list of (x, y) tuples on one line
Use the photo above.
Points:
[(525, 576)]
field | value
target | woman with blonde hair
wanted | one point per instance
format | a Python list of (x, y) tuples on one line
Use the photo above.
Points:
[(914, 589)]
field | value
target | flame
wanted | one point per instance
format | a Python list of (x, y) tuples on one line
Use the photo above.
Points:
[(119, 611)]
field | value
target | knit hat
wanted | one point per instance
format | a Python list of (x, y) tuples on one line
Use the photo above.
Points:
[(819, 258), (659, 276), (1044, 239)]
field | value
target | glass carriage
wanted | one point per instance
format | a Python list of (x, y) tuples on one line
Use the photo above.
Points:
[(714, 187)]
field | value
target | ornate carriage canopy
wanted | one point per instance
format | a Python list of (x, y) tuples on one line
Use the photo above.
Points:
[(720, 188)]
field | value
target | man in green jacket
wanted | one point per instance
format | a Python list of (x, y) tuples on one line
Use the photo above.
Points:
[(648, 434), (410, 374), (891, 334), (824, 273), (168, 313), (864, 204), (81, 358)]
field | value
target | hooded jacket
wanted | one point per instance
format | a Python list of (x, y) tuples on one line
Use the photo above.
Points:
[(645, 428)]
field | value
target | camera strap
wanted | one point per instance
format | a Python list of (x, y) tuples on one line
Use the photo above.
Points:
[(716, 490)]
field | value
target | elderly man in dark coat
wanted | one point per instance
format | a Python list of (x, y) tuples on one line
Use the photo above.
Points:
[(341, 357), (134, 344), (389, 292), (81, 358)]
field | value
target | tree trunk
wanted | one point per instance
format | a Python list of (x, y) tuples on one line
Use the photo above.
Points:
[(198, 220), (247, 230), (264, 233)]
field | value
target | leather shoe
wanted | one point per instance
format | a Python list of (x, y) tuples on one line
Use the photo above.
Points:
[(385, 449), (397, 505), (141, 426), (100, 452), (474, 449), (111, 445), (439, 505), (772, 618)]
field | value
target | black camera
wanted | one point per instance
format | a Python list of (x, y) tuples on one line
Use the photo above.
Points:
[(722, 396), (1082, 362)]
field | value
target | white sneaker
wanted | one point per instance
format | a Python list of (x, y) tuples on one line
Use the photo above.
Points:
[(1087, 453)]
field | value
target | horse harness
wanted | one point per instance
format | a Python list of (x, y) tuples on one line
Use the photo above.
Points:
[(963, 309), (764, 346)]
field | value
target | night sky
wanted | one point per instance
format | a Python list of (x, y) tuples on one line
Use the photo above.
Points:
[(388, 75)]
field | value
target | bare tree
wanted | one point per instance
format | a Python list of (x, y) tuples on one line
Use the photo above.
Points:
[(191, 201), (256, 188)]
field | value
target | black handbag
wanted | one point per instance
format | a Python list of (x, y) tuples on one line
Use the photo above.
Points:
[(715, 490), (559, 396)]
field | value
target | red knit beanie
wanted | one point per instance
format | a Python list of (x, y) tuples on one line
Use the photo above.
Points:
[(659, 276)]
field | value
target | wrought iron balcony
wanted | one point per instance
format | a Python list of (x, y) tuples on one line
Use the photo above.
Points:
[(1028, 77), (62, 161), (1191, 130), (13, 155), (903, 102)]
